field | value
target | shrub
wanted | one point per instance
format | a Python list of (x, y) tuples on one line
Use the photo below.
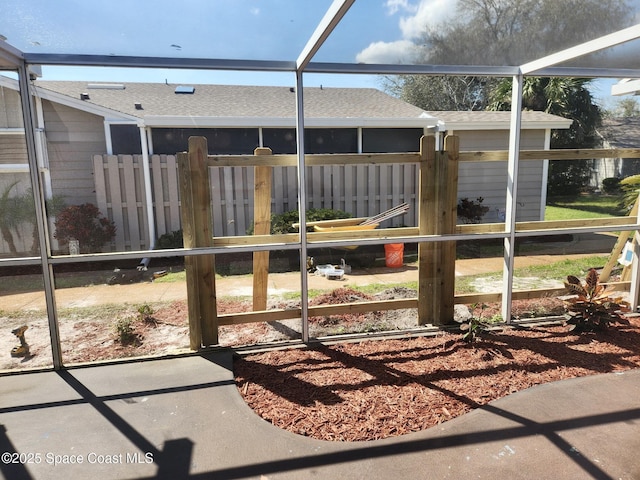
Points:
[(124, 329), (86, 224), (611, 185), (282, 222), (630, 187), (170, 240), (471, 211)]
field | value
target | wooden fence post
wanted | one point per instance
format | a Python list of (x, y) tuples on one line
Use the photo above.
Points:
[(196, 225), (449, 209), (261, 226), (426, 226), (437, 216)]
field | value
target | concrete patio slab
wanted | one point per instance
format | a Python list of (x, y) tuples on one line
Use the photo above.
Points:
[(184, 418)]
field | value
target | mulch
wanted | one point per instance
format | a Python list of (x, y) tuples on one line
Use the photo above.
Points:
[(375, 389)]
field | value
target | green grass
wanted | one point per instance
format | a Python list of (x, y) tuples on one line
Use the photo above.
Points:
[(172, 277), (583, 206), (552, 271)]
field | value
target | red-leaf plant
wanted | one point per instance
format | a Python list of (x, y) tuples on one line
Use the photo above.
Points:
[(590, 307), (86, 224)]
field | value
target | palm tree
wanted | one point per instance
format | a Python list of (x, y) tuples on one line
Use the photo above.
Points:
[(9, 217), (18, 210), (566, 97)]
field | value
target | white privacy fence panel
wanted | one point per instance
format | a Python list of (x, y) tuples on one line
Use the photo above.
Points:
[(361, 190)]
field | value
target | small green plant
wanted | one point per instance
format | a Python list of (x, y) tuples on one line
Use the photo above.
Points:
[(476, 326), (145, 313), (590, 308), (124, 328), (471, 211)]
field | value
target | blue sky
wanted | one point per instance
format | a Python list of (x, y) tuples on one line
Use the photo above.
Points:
[(373, 31)]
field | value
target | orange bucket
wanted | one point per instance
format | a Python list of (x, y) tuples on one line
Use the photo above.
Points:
[(394, 255)]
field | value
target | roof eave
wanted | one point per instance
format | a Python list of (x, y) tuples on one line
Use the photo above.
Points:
[(85, 106), (286, 122), (525, 125)]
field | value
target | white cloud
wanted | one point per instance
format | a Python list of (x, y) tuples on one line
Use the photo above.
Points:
[(400, 51), (415, 16), (393, 6), (428, 13), (254, 11)]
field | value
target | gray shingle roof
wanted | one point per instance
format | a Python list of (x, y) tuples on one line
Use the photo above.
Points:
[(239, 101), (487, 118), (159, 100), (621, 132)]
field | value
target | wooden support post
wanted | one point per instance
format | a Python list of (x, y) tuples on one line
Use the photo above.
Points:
[(426, 226), (188, 228), (261, 226), (197, 232), (617, 249), (449, 209), (437, 216)]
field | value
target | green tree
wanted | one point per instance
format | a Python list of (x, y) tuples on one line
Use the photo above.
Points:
[(440, 93), (568, 98), (18, 210), (513, 32), (624, 107), (500, 32)]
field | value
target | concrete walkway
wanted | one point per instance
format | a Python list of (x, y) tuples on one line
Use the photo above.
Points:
[(183, 418)]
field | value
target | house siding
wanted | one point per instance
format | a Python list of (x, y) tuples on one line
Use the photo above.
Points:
[(73, 137), (11, 108), (489, 179), (13, 149)]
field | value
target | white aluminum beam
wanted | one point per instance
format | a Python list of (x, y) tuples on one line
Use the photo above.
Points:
[(10, 57), (626, 87), (601, 43), (512, 196), (334, 14), (302, 207), (158, 62)]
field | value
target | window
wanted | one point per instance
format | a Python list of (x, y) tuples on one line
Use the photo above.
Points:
[(221, 141), (387, 140), (125, 139)]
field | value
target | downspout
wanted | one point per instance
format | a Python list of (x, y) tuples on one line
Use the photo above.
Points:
[(146, 176)]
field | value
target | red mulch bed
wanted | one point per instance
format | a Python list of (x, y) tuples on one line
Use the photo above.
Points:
[(383, 388)]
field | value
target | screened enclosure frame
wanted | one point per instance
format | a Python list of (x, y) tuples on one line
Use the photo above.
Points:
[(13, 59)]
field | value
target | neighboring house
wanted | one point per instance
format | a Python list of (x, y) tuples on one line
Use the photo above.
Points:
[(620, 132), (85, 130)]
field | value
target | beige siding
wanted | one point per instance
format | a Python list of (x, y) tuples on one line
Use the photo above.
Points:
[(11, 109), (72, 138), (13, 149), (489, 179)]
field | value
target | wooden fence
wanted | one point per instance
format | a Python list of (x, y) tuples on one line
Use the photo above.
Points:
[(436, 195), (362, 190), (437, 175)]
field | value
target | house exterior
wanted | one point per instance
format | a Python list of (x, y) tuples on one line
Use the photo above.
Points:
[(86, 130), (617, 132)]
